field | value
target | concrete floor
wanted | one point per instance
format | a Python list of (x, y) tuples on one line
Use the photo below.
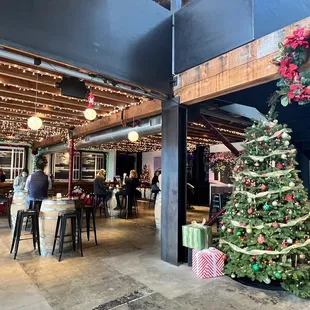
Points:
[(123, 272)]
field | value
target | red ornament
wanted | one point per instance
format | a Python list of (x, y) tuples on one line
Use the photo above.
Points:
[(263, 187), (250, 211), (247, 182), (253, 184), (229, 230), (244, 224), (254, 257), (222, 223), (287, 220), (279, 166), (285, 243), (91, 100), (269, 248), (296, 241), (235, 169), (275, 225), (288, 198), (260, 239), (243, 238), (224, 257)]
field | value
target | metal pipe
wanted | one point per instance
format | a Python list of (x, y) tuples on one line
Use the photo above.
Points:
[(69, 72)]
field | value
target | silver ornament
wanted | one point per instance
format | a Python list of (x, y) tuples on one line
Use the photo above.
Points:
[(274, 203), (284, 135), (291, 184), (289, 240), (283, 156), (233, 275), (249, 230), (286, 143)]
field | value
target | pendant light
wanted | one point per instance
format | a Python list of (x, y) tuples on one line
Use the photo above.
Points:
[(133, 135), (90, 114), (35, 122)]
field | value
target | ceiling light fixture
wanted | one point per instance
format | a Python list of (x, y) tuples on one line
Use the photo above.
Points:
[(90, 114), (35, 122)]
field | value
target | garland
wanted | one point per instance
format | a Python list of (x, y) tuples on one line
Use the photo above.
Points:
[(262, 252), (294, 86), (289, 224)]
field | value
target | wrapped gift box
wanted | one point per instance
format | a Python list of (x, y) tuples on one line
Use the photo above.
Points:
[(196, 236), (208, 263)]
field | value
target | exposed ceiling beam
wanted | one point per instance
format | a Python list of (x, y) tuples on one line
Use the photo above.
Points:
[(224, 116), (241, 68)]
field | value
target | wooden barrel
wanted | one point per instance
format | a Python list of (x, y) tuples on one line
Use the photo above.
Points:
[(47, 223), (157, 211), (18, 203)]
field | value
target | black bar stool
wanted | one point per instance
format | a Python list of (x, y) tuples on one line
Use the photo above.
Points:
[(89, 212), (154, 193), (21, 214), (103, 204), (34, 205), (131, 202), (61, 225)]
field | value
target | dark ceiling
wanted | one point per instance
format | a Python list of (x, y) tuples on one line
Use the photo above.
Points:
[(295, 116), (166, 3)]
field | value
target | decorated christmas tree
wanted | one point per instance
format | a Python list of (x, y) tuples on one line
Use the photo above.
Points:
[(266, 228), (145, 175)]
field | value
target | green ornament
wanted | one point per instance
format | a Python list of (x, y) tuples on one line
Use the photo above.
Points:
[(266, 140), (239, 233), (266, 207), (255, 267), (298, 196), (278, 275), (229, 213)]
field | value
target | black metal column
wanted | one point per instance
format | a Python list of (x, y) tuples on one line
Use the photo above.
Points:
[(174, 160), (201, 176)]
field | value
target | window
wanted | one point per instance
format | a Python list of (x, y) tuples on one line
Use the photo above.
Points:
[(91, 164), (61, 166), (12, 161)]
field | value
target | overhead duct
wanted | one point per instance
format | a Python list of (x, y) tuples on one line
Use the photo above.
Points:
[(146, 127), (58, 148)]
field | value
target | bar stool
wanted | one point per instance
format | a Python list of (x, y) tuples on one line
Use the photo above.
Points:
[(154, 199), (21, 214), (63, 216), (89, 211), (131, 201), (34, 205), (103, 204)]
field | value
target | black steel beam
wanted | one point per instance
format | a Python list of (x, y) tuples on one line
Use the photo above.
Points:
[(174, 168)]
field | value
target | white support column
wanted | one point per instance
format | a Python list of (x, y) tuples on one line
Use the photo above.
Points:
[(111, 165)]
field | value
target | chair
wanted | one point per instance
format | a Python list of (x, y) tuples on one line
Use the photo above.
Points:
[(60, 232), (218, 202), (6, 200), (33, 205), (131, 202), (21, 214)]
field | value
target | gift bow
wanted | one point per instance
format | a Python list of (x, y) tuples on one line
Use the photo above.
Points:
[(195, 224)]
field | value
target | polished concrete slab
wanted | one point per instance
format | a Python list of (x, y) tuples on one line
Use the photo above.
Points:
[(123, 272)]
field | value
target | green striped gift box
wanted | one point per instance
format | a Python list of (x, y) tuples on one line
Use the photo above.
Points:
[(197, 237)]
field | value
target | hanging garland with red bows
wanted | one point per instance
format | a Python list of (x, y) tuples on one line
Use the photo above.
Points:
[(294, 86)]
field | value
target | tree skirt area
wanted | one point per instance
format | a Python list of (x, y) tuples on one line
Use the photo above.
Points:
[(273, 286)]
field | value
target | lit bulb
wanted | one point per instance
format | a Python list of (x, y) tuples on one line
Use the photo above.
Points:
[(34, 122), (90, 114), (133, 136)]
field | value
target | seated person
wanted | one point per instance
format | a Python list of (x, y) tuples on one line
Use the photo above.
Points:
[(131, 185), (100, 188)]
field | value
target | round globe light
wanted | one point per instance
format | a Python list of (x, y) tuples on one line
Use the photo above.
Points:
[(90, 114), (34, 122), (133, 136)]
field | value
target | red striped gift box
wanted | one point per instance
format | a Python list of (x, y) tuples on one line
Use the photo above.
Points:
[(208, 263)]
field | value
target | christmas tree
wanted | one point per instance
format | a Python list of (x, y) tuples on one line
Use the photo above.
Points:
[(266, 227), (145, 176)]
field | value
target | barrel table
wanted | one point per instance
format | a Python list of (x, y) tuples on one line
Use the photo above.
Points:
[(157, 211), (18, 203), (47, 223)]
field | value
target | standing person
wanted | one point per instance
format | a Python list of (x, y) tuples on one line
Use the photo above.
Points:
[(155, 182), (2, 175), (20, 181), (38, 183), (131, 185), (100, 188)]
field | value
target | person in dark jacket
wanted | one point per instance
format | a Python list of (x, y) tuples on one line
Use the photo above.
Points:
[(38, 183), (131, 186), (2, 175), (155, 181), (100, 188)]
